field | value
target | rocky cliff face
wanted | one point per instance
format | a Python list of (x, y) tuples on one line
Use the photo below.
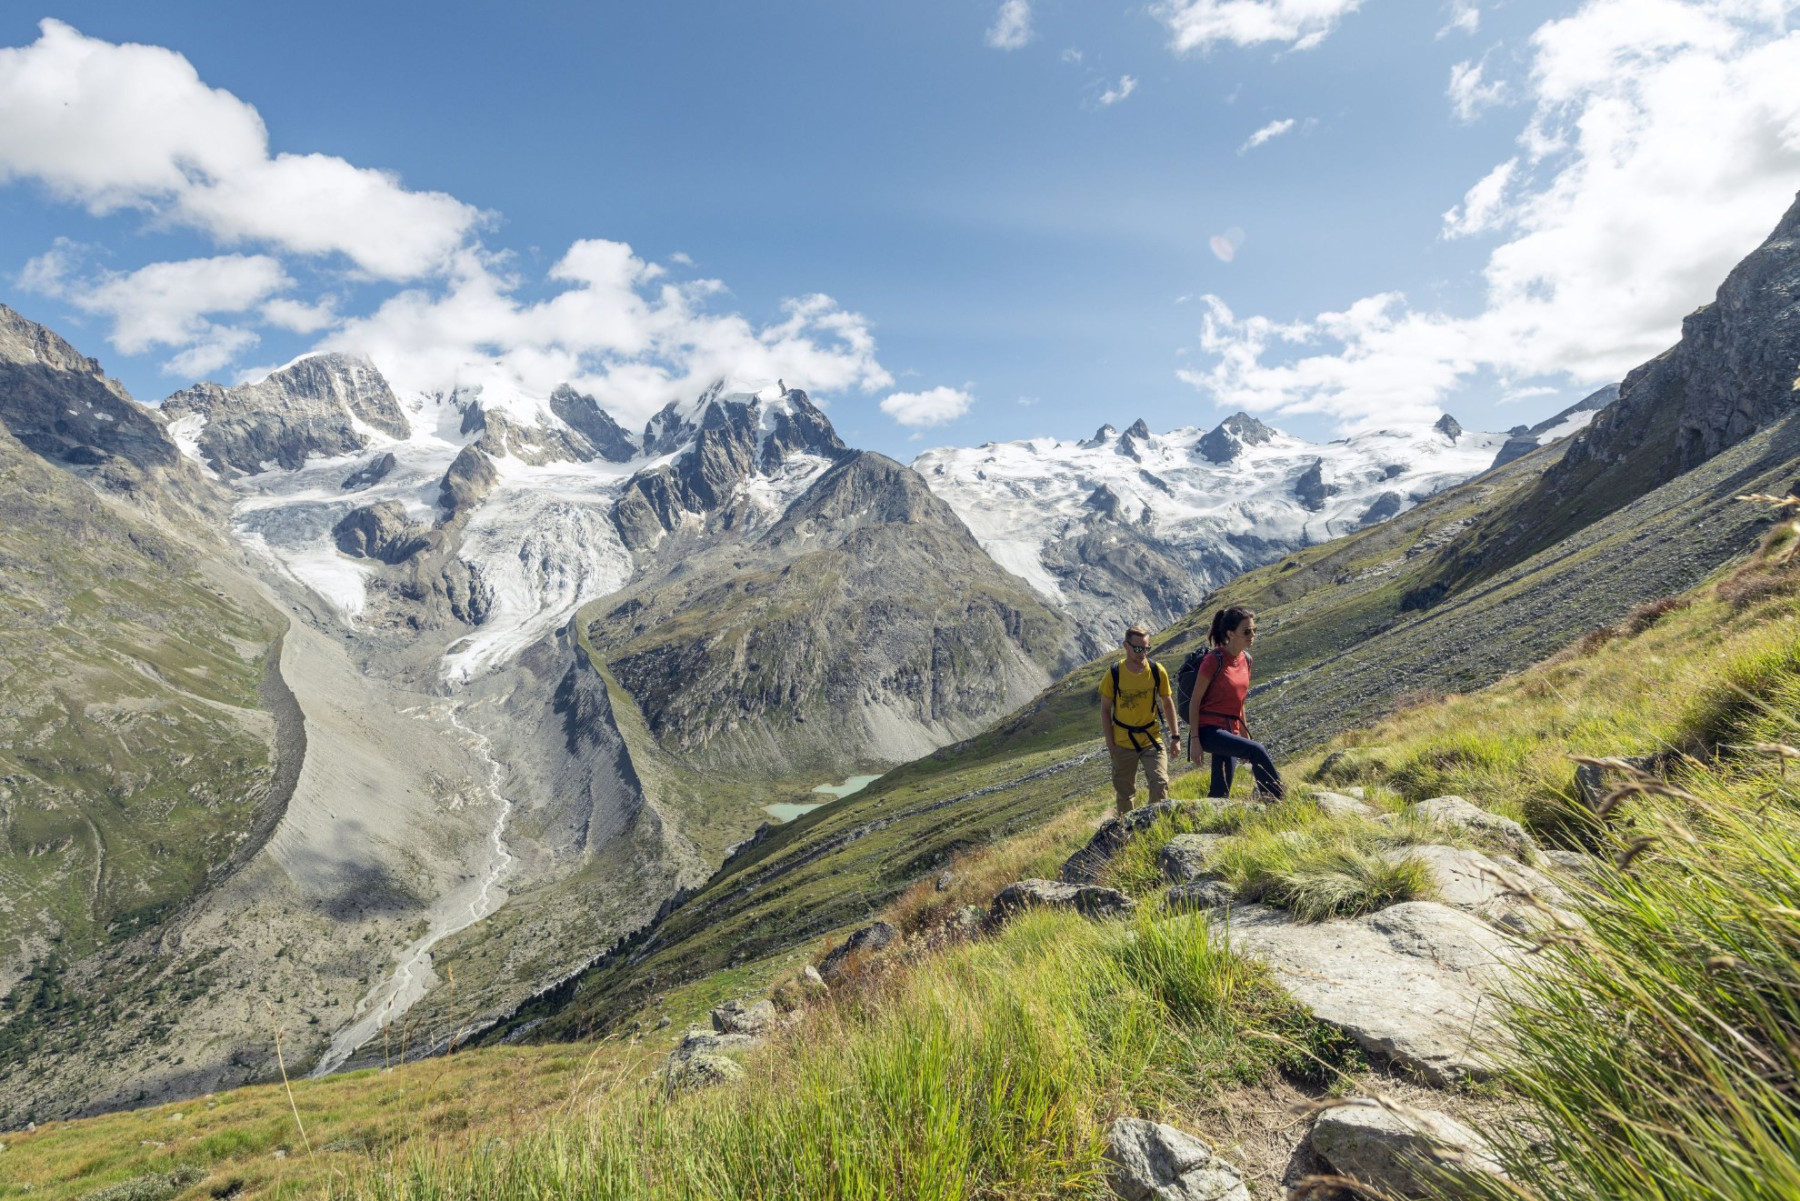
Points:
[(323, 405), (865, 626), (1732, 374)]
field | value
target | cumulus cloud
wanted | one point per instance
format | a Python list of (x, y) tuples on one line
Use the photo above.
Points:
[(164, 304), (1663, 145), (1198, 24), (934, 407), (1012, 25), (1126, 86), (1469, 93), (616, 330), (1267, 133), (116, 127)]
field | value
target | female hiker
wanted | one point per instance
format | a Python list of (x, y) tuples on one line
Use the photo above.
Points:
[(1216, 713)]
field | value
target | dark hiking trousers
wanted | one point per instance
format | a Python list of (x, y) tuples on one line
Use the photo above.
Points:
[(1226, 749)]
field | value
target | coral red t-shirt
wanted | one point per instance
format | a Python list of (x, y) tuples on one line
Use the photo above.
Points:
[(1222, 704)]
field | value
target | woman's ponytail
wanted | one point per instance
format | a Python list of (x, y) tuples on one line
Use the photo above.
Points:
[(1227, 620)]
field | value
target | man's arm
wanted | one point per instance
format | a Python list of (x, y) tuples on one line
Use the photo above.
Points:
[(1168, 716), (1106, 721)]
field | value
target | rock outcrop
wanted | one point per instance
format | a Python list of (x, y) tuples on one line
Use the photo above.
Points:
[(1226, 440), (862, 944), (1400, 1153), (466, 483), (370, 473), (1156, 1162), (1454, 811), (320, 405), (1311, 490), (1416, 983), (1089, 900), (382, 531), (584, 415)]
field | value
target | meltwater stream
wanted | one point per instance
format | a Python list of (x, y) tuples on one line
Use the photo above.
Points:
[(456, 910)]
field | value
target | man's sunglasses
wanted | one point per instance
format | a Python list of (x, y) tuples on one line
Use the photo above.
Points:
[(1140, 647)]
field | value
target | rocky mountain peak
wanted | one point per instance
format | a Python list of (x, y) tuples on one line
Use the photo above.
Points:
[(1102, 436), (1225, 441), (58, 402), (1447, 426), (318, 405), (1311, 489), (583, 414)]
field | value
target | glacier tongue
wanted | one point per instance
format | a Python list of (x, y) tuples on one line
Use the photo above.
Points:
[(543, 556)]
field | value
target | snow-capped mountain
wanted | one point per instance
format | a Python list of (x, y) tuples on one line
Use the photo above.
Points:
[(1137, 526)]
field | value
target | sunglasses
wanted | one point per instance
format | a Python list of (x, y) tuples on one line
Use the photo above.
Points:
[(1139, 647)]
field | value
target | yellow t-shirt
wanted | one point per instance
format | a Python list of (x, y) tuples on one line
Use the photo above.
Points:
[(1136, 703)]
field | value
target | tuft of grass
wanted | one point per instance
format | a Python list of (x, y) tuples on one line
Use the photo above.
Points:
[(990, 1069)]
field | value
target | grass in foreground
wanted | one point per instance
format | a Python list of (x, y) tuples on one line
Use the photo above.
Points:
[(991, 1069)]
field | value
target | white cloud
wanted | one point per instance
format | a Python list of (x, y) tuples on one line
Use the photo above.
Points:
[(1197, 24), (133, 127), (1469, 94), (1127, 85), (1663, 145), (1483, 206), (1465, 17), (301, 317), (1012, 25), (164, 304), (615, 330), (1267, 133), (934, 407)]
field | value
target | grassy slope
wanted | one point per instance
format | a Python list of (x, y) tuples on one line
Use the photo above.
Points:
[(1339, 651), (132, 746), (1057, 1024)]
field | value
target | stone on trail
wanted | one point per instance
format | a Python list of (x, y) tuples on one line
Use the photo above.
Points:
[(698, 1071), (1454, 811), (1201, 894), (1339, 804), (739, 1017), (1154, 1162), (1416, 983), (1496, 890), (1085, 865), (868, 940), (1089, 900), (1184, 857), (1401, 1154)]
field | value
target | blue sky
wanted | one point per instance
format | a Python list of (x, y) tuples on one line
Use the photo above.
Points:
[(1019, 211)]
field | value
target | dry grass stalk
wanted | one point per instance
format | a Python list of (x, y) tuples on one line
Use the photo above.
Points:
[(281, 1063)]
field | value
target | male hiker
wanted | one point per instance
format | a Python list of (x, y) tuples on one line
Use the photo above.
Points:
[(1134, 695)]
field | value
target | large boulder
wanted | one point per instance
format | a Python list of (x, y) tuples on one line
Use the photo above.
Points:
[(1497, 890), (1454, 811), (1410, 1153), (1185, 857), (861, 943), (1154, 1162), (741, 1017), (1085, 865), (1089, 900), (1416, 983), (698, 1071)]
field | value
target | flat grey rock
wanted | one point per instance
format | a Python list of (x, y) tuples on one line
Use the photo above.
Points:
[(1399, 1153), (1454, 811), (1415, 983), (1089, 900), (1342, 804), (1154, 1162), (1185, 856), (1200, 894), (1497, 890)]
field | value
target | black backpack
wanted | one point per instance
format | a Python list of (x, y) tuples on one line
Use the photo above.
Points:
[(1184, 681)]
